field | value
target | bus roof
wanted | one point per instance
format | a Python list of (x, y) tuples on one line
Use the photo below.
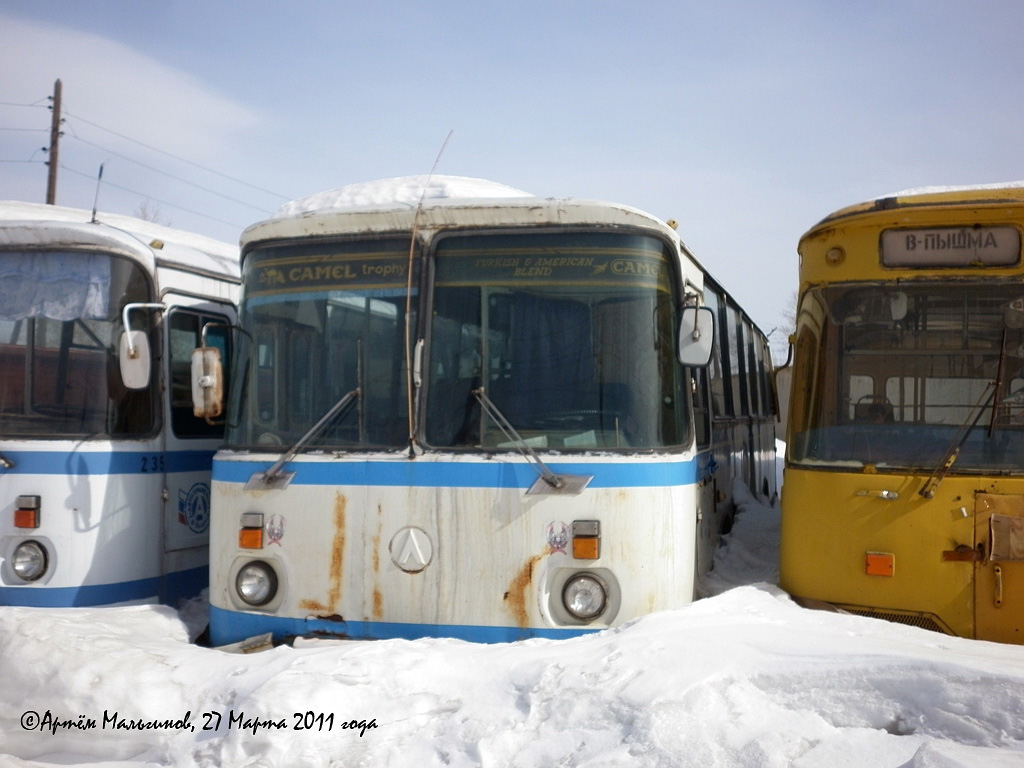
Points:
[(432, 203), (920, 234), (38, 225), (979, 194), (448, 202)]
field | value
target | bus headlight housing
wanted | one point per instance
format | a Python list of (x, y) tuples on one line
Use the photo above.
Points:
[(585, 596), (29, 560), (256, 583)]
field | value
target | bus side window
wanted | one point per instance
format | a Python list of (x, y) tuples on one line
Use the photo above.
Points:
[(701, 409), (185, 335), (737, 363), (714, 372), (750, 369)]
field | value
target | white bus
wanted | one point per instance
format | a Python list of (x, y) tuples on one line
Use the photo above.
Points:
[(104, 468), (473, 415)]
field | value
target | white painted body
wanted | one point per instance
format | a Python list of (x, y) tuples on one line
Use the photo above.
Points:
[(429, 541), (122, 520), (494, 570)]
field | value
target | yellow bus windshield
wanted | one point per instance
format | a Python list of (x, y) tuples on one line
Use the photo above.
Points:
[(903, 370)]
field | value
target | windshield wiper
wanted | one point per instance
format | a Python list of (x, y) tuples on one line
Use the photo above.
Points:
[(998, 383), (547, 481), (953, 451), (274, 478)]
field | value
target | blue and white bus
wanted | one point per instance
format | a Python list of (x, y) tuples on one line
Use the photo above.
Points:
[(104, 468), (472, 413)]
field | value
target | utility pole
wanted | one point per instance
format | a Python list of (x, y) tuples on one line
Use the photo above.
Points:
[(51, 180)]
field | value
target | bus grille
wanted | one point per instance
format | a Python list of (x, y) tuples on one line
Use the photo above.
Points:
[(911, 619)]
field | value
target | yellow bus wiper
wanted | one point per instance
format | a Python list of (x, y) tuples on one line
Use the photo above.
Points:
[(953, 451), (999, 382)]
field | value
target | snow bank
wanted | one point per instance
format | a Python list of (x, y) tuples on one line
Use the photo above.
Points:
[(743, 678)]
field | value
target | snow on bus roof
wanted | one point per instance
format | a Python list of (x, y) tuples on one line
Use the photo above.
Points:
[(944, 189), (398, 192), (176, 245)]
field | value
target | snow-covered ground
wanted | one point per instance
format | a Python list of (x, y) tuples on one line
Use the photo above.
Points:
[(742, 678)]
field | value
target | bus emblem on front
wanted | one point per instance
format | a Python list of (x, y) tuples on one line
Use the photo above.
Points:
[(411, 549)]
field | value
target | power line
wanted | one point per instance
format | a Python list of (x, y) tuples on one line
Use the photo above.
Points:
[(169, 175), (177, 157), (54, 161), (156, 199)]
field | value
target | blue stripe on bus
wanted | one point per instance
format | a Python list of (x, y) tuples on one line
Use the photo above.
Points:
[(167, 589), (233, 626), (104, 462), (452, 474)]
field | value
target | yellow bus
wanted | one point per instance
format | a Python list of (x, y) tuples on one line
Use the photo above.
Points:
[(904, 484)]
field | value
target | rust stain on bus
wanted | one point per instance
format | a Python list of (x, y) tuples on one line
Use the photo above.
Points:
[(375, 541), (337, 558), (378, 597), (337, 550), (517, 590)]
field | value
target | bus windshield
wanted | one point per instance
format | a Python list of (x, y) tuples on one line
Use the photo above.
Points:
[(322, 320), (59, 327), (915, 368), (569, 334)]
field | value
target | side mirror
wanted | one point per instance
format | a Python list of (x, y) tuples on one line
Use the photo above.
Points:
[(133, 349), (134, 358), (207, 383), (696, 336)]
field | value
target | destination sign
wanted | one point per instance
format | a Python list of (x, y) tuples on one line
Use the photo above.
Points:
[(279, 271), (578, 269), (569, 259), (997, 246)]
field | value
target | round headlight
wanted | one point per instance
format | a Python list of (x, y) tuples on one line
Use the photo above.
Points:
[(256, 583), (585, 597), (29, 560)]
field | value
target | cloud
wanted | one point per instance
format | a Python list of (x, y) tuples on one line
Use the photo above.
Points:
[(119, 88)]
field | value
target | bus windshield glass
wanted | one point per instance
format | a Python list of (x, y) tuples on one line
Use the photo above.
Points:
[(570, 334), (915, 370), (321, 320), (60, 320)]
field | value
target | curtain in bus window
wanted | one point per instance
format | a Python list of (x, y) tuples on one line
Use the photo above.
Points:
[(550, 354), (58, 286)]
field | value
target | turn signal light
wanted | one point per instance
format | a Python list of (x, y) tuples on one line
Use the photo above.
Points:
[(586, 539), (26, 512), (250, 535), (250, 538), (879, 564)]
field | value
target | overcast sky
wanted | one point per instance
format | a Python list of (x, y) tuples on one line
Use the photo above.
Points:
[(745, 121)]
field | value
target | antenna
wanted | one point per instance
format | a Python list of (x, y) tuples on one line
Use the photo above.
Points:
[(96, 197), (410, 397)]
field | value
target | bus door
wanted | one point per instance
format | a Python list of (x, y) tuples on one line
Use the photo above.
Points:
[(190, 442), (999, 572)]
